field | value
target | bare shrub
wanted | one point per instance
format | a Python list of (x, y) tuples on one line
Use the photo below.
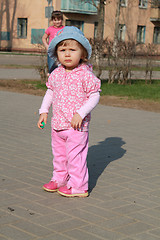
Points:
[(98, 52), (149, 52), (120, 58), (42, 68)]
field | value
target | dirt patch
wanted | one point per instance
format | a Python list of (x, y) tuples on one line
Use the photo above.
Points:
[(20, 87), (124, 102)]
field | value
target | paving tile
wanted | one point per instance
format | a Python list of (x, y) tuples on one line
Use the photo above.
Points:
[(146, 236), (129, 208), (103, 233), (2, 237), (46, 220), (134, 228), (155, 232), (139, 216), (85, 216), (56, 236), (21, 212), (115, 222), (143, 202), (26, 195), (123, 193), (8, 219), (14, 233), (111, 204), (153, 212), (100, 212), (128, 238), (156, 193), (68, 225), (7, 199), (36, 208), (32, 228), (148, 196), (80, 235)]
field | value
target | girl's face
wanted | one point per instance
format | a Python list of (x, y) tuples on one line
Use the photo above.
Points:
[(57, 22), (69, 54)]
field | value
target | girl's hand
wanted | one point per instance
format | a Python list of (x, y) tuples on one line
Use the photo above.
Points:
[(43, 118), (76, 121)]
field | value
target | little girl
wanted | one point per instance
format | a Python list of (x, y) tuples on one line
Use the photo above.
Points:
[(50, 33), (73, 91)]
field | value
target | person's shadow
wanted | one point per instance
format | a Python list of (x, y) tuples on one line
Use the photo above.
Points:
[(99, 156)]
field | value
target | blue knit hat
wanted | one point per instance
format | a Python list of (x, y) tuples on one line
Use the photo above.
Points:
[(69, 32)]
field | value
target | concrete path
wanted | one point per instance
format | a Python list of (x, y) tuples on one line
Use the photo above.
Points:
[(124, 166), (34, 75), (18, 74), (29, 60)]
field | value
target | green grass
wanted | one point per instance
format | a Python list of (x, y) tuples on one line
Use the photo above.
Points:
[(41, 86), (16, 66), (137, 90), (134, 68), (35, 83), (19, 53)]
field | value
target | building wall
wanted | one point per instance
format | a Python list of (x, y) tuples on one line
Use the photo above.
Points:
[(34, 11)]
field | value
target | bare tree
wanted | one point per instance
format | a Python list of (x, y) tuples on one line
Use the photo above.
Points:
[(6, 6), (149, 51), (1, 17), (98, 40)]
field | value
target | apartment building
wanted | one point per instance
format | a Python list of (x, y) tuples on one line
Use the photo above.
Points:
[(23, 22)]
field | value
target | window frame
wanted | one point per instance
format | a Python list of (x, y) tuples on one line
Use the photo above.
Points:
[(123, 4), (77, 23), (141, 34), (157, 35), (121, 32), (22, 26), (143, 4)]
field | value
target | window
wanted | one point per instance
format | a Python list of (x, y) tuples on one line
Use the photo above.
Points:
[(36, 35), (156, 35), (5, 36), (121, 32), (22, 28), (78, 24), (141, 34), (143, 3), (155, 3), (123, 3)]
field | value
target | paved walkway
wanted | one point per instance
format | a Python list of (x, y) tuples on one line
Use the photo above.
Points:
[(124, 166), (25, 60), (33, 74)]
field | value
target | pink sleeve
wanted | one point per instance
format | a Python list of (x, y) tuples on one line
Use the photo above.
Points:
[(91, 83), (47, 101), (47, 31), (89, 105)]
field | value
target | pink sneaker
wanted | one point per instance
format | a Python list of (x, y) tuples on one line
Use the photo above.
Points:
[(52, 186), (72, 192)]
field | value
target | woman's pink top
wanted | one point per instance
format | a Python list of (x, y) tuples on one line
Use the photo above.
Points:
[(52, 31), (71, 92)]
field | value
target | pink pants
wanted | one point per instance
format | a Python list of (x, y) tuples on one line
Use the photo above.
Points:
[(70, 148)]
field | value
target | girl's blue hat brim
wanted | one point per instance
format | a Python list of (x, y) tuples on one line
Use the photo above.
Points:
[(69, 32)]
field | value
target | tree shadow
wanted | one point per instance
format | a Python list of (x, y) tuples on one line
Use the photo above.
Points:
[(99, 156)]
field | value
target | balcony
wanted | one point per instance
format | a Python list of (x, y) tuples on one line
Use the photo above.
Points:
[(76, 6), (155, 15)]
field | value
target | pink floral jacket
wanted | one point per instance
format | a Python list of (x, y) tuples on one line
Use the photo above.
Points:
[(71, 91)]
